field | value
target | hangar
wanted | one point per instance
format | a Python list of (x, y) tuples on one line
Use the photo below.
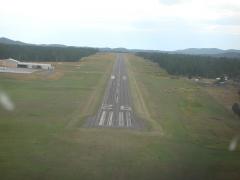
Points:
[(9, 63), (12, 63), (34, 65)]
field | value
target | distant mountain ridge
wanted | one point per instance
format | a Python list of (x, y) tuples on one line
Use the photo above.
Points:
[(208, 51), (4, 40), (53, 45), (200, 51), (213, 52)]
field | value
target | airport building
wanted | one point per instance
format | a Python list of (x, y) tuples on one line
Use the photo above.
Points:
[(12, 63), (9, 63)]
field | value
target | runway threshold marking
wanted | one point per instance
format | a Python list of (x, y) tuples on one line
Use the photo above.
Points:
[(129, 123), (120, 121), (110, 118), (102, 119)]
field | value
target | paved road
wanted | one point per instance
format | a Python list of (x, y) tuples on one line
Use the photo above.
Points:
[(116, 109)]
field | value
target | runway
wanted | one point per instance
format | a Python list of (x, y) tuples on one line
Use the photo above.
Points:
[(116, 110)]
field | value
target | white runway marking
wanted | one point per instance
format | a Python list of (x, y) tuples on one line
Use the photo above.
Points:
[(110, 118), (112, 77), (116, 109), (121, 122), (102, 119), (129, 123), (125, 108), (107, 106)]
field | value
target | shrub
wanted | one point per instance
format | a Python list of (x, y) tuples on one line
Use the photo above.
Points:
[(236, 108)]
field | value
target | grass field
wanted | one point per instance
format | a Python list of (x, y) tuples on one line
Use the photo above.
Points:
[(186, 136), (183, 111)]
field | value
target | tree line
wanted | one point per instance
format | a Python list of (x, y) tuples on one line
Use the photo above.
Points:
[(193, 65), (44, 53)]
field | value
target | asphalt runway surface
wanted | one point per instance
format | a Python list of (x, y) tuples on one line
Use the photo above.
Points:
[(116, 109)]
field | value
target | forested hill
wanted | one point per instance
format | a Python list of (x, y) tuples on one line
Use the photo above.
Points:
[(192, 65), (44, 53)]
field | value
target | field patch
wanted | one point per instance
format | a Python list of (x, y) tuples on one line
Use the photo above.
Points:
[(181, 108), (187, 134)]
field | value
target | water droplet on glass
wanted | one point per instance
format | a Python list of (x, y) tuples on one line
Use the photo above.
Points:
[(6, 102)]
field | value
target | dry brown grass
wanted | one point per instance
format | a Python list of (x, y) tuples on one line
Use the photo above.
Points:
[(226, 95), (60, 69)]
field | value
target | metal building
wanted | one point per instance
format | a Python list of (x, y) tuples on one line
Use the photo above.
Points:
[(9, 63), (12, 63)]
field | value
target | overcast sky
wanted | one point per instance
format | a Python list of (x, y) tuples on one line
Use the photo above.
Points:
[(145, 24)]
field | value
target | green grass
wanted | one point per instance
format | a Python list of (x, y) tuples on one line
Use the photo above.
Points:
[(44, 138), (45, 108), (182, 108)]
